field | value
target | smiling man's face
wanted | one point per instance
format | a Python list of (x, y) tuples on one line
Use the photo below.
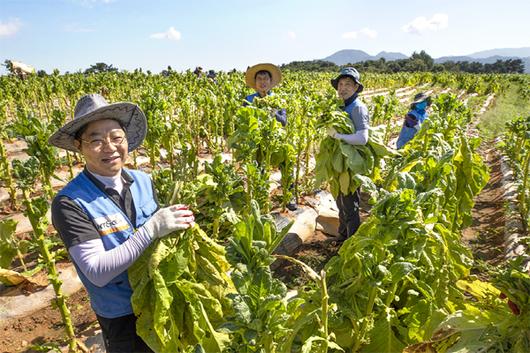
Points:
[(263, 83), (346, 87), (104, 146)]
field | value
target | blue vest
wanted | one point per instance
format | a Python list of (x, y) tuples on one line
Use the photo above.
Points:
[(114, 299), (250, 98)]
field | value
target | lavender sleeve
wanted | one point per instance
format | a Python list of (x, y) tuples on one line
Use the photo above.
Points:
[(101, 266), (358, 138)]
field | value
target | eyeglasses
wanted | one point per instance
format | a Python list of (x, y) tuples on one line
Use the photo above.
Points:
[(97, 144)]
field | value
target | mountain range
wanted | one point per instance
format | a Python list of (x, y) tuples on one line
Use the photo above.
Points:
[(352, 56)]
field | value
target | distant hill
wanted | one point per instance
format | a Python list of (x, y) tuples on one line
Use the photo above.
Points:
[(352, 56), (487, 60), (389, 56), (515, 52), (347, 56)]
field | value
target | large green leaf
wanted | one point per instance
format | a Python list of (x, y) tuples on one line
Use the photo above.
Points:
[(8, 244)]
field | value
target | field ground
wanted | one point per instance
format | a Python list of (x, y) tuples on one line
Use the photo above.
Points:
[(484, 237), (507, 106)]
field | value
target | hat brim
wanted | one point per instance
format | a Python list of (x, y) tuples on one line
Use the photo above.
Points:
[(128, 114), (423, 97), (250, 75), (420, 100), (335, 82)]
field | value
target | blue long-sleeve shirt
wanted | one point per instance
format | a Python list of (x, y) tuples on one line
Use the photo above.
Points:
[(279, 114), (413, 121)]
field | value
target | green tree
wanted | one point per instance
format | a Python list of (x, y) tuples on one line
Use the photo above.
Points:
[(100, 67)]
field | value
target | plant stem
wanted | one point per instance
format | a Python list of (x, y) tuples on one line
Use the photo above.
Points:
[(39, 226)]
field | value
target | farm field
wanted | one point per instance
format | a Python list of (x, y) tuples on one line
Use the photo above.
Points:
[(438, 265)]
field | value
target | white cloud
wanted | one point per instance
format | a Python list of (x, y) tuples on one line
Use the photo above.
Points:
[(170, 34), (422, 24), (291, 35), (369, 33), (363, 32), (10, 27)]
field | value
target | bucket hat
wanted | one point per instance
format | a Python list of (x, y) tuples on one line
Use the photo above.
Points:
[(93, 107), (250, 75), (348, 72), (420, 97)]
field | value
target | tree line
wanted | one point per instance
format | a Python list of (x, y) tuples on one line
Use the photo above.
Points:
[(417, 62)]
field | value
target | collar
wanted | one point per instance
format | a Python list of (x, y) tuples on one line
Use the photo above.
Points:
[(127, 178), (269, 93), (350, 100)]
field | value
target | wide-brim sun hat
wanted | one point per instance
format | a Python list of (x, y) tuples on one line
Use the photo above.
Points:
[(250, 75), (348, 72), (93, 107)]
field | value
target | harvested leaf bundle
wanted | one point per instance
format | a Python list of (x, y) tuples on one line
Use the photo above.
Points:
[(340, 163), (180, 287)]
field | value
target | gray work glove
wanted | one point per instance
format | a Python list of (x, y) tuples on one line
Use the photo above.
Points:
[(169, 219)]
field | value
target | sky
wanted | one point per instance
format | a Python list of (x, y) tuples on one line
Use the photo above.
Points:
[(71, 35)]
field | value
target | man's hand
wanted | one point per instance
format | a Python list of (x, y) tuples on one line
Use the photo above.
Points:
[(169, 219), (332, 132)]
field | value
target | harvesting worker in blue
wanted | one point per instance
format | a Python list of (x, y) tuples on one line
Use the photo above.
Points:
[(348, 85), (108, 215), (414, 118), (263, 78)]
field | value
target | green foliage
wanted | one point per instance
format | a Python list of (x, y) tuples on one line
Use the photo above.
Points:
[(342, 164), (98, 68), (261, 310), (516, 146), (10, 245), (36, 131), (180, 287), (486, 324), (217, 197), (389, 287)]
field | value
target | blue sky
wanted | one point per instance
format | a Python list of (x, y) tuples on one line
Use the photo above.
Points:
[(71, 35)]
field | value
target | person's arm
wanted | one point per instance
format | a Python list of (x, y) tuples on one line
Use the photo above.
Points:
[(86, 248), (361, 122), (358, 138), (101, 266)]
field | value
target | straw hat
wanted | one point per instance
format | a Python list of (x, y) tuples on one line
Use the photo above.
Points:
[(93, 107), (250, 75)]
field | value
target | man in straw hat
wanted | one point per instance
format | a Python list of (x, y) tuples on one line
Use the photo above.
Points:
[(348, 86), (262, 78), (108, 215), (414, 118)]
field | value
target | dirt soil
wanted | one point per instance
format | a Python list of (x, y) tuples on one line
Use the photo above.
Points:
[(484, 237), (45, 326)]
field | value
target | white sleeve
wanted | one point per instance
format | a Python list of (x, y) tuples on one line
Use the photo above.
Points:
[(358, 138), (101, 266)]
